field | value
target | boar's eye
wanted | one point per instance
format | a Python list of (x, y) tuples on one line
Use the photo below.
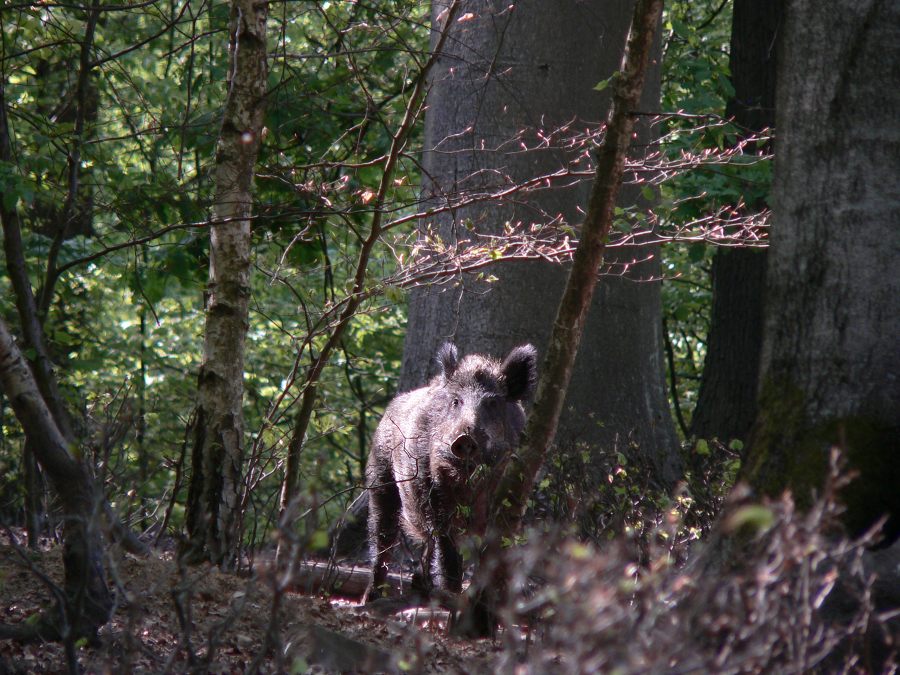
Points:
[(455, 402)]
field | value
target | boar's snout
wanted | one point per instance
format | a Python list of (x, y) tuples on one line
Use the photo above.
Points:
[(465, 447)]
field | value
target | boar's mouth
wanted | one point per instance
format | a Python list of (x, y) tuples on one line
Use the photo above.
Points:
[(465, 448)]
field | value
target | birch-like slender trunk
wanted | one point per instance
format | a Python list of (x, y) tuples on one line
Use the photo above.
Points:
[(217, 452)]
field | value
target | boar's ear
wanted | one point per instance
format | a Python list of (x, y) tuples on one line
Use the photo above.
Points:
[(447, 358), (520, 372)]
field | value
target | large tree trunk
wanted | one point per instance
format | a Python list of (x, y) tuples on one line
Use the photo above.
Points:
[(513, 491), (831, 354), (87, 599), (726, 404), (213, 498), (530, 69)]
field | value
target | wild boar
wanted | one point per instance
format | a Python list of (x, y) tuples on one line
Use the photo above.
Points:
[(432, 452)]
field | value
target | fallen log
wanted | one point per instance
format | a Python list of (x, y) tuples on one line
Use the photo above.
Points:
[(312, 577)]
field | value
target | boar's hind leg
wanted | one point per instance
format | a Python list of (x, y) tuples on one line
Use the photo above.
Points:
[(384, 522)]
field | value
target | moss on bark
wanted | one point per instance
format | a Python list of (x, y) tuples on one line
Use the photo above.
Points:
[(789, 451)]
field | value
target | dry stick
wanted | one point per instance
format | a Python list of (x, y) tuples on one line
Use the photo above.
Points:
[(478, 616), (398, 141)]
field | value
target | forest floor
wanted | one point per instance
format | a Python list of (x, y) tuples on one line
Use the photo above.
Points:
[(197, 619)]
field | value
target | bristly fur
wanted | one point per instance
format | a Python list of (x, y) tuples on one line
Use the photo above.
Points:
[(426, 449)]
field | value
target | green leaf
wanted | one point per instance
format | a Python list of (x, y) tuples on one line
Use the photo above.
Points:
[(580, 551), (680, 28), (394, 294), (319, 540), (701, 447), (756, 516), (696, 252), (603, 84)]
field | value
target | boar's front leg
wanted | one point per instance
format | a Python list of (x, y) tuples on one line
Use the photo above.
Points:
[(384, 523), (442, 557), (446, 564)]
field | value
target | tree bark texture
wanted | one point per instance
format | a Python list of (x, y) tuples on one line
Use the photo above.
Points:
[(528, 68), (88, 601), (514, 489), (831, 354), (26, 304), (726, 403), (217, 452), (540, 429)]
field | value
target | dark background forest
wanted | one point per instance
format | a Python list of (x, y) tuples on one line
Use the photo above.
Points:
[(234, 231)]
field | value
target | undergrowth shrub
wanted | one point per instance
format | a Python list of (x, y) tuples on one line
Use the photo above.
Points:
[(771, 589), (601, 495)]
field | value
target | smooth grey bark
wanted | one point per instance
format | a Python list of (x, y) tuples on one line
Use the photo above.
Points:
[(217, 454), (530, 69), (726, 402), (508, 503), (831, 354)]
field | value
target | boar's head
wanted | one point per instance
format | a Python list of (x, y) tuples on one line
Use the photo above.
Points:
[(476, 415)]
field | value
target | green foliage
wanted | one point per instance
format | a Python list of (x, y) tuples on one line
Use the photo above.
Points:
[(605, 497), (127, 252), (125, 319), (696, 82), (695, 79)]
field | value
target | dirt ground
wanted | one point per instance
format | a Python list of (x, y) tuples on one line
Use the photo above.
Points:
[(198, 619)]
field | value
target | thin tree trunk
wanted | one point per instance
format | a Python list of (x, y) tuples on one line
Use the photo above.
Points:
[(518, 478), (30, 317), (726, 403), (308, 398), (32, 330), (24, 297), (217, 452), (75, 213), (34, 490), (87, 600)]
